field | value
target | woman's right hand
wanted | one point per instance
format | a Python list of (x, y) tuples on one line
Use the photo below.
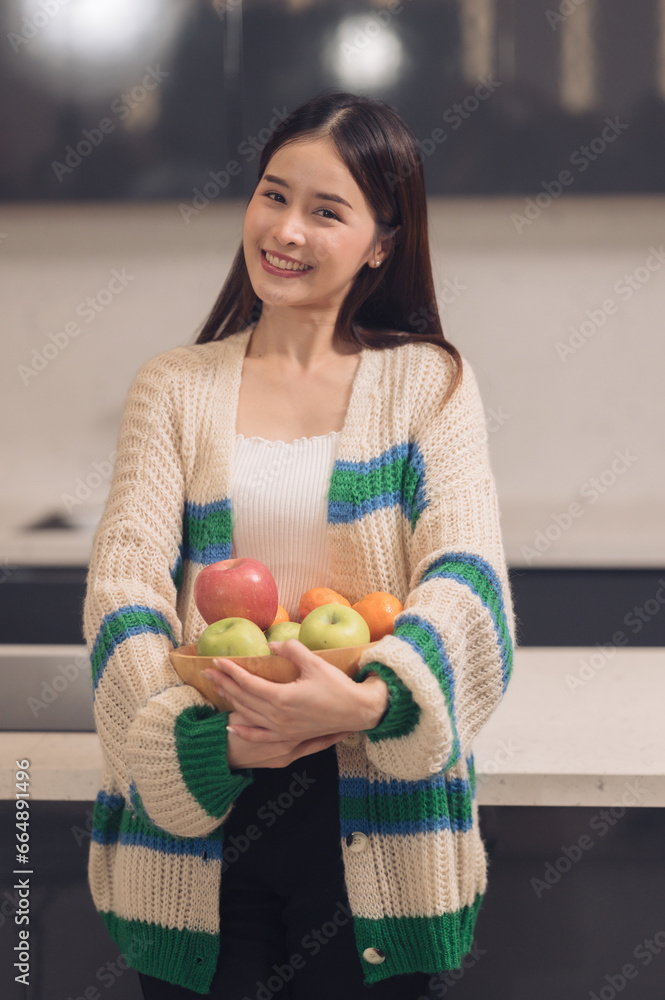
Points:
[(242, 753)]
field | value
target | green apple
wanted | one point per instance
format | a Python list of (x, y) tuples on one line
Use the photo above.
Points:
[(333, 626), (233, 637), (283, 631)]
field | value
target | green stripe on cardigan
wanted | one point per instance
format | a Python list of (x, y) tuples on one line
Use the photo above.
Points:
[(413, 805), (433, 943), (200, 735), (402, 713), (180, 956), (390, 477)]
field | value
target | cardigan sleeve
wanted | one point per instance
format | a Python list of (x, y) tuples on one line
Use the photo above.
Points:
[(449, 659), (165, 743)]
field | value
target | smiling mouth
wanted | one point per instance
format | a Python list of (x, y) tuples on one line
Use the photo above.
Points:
[(284, 265)]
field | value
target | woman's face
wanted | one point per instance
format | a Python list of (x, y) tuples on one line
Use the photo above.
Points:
[(291, 215)]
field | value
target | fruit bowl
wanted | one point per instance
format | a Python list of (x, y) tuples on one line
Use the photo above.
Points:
[(190, 667)]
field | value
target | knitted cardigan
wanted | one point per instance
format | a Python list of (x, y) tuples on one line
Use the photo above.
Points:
[(413, 511)]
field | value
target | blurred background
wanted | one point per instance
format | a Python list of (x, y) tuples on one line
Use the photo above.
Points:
[(129, 141), (129, 147)]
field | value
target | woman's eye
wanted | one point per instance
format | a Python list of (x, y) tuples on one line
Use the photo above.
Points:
[(331, 215)]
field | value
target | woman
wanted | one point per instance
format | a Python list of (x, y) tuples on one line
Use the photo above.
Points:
[(323, 836)]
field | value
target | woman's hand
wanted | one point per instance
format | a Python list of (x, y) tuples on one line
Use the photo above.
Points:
[(277, 723), (241, 752)]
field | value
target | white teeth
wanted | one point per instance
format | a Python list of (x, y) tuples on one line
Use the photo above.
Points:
[(285, 265)]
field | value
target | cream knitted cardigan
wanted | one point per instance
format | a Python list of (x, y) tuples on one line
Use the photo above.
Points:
[(412, 511)]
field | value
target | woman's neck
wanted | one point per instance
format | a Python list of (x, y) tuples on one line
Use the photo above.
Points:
[(306, 347)]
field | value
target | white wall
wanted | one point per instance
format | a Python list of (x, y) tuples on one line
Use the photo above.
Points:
[(555, 424)]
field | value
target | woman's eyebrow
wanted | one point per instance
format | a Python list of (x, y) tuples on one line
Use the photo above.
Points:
[(318, 194)]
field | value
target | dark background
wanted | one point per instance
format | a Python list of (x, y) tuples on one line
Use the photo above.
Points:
[(554, 607), (227, 66), (554, 944)]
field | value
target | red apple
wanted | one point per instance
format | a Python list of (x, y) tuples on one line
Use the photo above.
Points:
[(236, 588)]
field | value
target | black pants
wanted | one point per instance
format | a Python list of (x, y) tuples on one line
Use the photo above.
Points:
[(286, 928)]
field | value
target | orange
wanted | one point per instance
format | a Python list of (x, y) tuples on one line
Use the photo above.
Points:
[(379, 610), (316, 596), (281, 616)]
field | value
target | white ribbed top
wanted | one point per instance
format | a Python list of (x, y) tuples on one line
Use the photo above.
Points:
[(279, 496)]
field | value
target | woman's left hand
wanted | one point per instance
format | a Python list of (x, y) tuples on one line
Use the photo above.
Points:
[(322, 700)]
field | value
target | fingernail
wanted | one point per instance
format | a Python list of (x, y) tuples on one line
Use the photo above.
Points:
[(232, 730)]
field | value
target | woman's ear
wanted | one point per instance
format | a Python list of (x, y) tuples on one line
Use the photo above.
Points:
[(387, 244)]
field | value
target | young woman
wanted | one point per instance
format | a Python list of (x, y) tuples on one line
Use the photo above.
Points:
[(323, 836)]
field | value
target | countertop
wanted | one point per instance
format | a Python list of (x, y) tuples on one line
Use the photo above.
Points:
[(576, 727)]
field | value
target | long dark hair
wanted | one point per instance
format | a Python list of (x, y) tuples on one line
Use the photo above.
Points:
[(386, 306)]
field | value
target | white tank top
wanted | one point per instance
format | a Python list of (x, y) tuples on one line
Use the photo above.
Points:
[(279, 499)]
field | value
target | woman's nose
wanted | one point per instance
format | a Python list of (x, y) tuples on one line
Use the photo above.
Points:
[(289, 229)]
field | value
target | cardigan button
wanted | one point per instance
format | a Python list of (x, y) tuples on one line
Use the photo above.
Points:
[(357, 841), (374, 956), (353, 740)]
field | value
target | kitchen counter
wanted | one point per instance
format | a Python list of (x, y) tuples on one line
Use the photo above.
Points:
[(576, 727)]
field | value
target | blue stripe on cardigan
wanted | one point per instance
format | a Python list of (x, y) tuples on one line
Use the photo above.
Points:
[(488, 571), (106, 642), (213, 551), (405, 827)]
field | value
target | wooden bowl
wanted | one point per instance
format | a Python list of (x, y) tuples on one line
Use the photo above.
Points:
[(273, 667)]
